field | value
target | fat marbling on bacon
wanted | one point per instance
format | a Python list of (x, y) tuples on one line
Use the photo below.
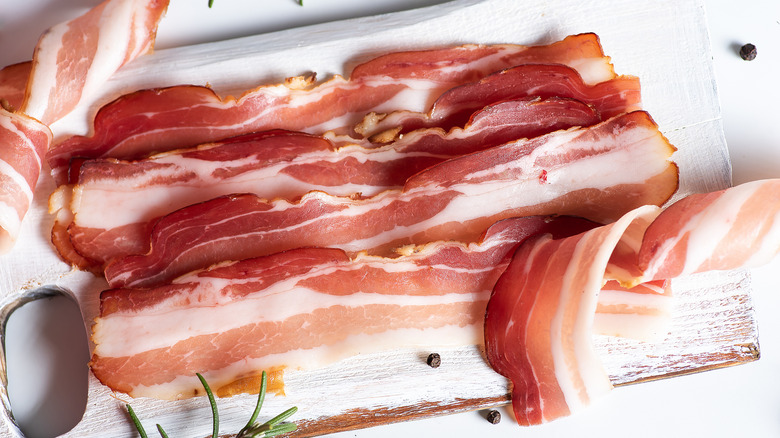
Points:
[(279, 164), (236, 319), (570, 172), (70, 61), (541, 313), (151, 121)]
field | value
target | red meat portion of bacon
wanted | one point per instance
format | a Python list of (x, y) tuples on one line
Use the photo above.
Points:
[(350, 305), (455, 107), (456, 199), (158, 120)]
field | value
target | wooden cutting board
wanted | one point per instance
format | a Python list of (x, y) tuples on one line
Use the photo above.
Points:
[(665, 43)]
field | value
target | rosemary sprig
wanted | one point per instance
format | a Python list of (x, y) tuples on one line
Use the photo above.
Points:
[(136, 421), (270, 428), (213, 403)]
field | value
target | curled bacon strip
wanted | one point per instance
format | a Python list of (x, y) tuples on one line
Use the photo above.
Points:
[(457, 199), (151, 121), (540, 317)]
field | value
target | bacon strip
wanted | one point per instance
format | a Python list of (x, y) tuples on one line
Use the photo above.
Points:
[(23, 143), (13, 82), (342, 306), (540, 315), (282, 164), (454, 107), (457, 199), (74, 58), (150, 121)]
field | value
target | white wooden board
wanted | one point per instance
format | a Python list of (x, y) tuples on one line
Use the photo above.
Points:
[(663, 42)]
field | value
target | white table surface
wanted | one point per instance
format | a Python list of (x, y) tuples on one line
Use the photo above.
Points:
[(737, 401)]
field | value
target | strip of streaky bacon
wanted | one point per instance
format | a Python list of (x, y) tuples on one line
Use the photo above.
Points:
[(539, 321), (570, 172), (236, 319), (283, 164), (74, 58), (455, 107), (13, 82), (71, 60), (158, 120), (542, 309), (23, 143)]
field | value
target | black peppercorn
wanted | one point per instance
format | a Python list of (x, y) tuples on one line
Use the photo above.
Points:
[(748, 52), (494, 417), (434, 360)]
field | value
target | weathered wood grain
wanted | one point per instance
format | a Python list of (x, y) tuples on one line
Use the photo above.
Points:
[(665, 43)]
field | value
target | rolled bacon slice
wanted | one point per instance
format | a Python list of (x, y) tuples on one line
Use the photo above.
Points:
[(159, 120), (74, 58), (454, 107), (23, 144), (569, 172), (283, 164), (541, 313), (539, 321), (70, 61), (237, 319)]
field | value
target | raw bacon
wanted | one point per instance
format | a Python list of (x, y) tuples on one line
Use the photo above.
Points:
[(434, 295), (74, 58), (454, 107), (287, 165), (569, 172), (539, 321), (150, 121), (13, 82), (23, 143), (541, 313)]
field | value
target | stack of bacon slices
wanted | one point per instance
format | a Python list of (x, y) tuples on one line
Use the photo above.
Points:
[(502, 194)]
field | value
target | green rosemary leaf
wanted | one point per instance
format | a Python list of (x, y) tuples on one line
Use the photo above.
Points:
[(283, 416), (260, 399), (162, 432), (280, 429), (136, 421), (214, 413), (211, 3)]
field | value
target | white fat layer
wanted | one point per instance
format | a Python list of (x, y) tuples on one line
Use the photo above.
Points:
[(10, 224), (45, 72), (319, 357), (645, 328), (588, 367), (151, 194), (218, 313)]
